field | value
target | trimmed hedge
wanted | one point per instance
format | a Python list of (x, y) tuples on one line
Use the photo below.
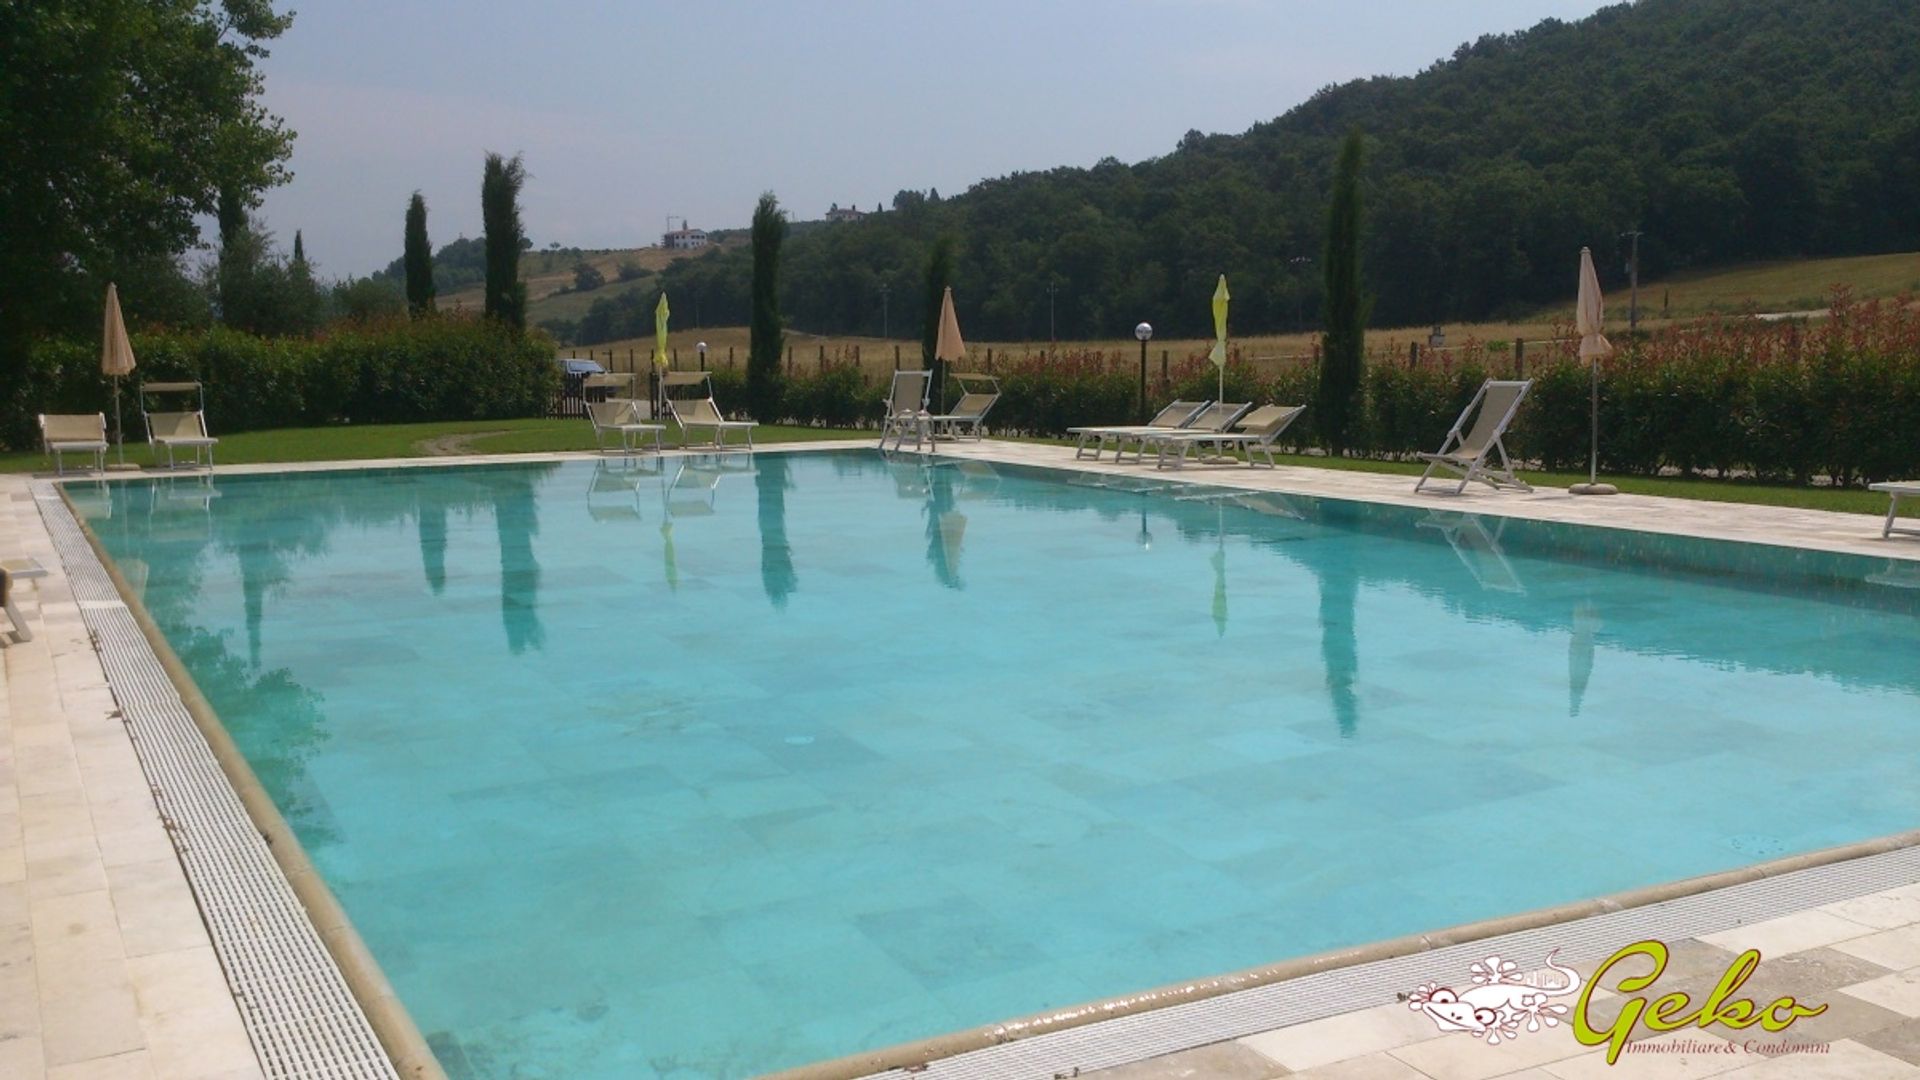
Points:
[(398, 371), (1837, 399)]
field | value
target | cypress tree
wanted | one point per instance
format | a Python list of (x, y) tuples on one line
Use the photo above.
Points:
[(939, 276), (1337, 404), (300, 254), (766, 334), (419, 258), (506, 295)]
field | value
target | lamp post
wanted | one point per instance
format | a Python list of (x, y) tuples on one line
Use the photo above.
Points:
[(1144, 332), (702, 347)]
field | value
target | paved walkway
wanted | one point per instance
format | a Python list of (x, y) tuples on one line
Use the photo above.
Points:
[(1825, 530), (107, 971), (1860, 958), (105, 967)]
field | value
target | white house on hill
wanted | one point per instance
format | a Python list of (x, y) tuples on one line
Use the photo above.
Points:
[(684, 239)]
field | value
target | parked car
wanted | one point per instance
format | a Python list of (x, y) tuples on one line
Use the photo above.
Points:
[(575, 367)]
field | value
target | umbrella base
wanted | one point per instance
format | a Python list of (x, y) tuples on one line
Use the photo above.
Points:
[(1593, 489)]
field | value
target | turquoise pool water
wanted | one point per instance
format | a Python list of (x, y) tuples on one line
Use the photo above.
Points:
[(705, 771)]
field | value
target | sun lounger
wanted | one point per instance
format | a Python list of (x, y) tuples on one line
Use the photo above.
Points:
[(74, 433), (12, 572), (980, 391), (1176, 415), (618, 416), (184, 429), (907, 409), (1897, 490), (1215, 419), (1254, 433), (1471, 454), (698, 409)]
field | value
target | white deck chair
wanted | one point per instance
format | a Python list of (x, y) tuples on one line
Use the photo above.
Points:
[(979, 392), (620, 416), (1255, 433), (12, 573), (1493, 408), (74, 433), (698, 410), (1177, 414), (907, 409), (1217, 418), (178, 430)]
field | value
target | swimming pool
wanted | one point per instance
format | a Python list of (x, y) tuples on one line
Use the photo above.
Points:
[(718, 766)]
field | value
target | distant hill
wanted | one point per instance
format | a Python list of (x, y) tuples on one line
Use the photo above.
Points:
[(1724, 130)]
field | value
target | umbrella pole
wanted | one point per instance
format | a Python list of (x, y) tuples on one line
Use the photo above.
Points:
[(119, 433), (1593, 417), (1593, 486)]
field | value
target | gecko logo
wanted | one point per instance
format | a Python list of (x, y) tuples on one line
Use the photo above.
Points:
[(1500, 1002)]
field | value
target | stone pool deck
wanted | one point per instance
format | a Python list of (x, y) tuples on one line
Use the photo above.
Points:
[(107, 970)]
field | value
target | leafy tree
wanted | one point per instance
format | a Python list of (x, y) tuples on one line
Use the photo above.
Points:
[(120, 122), (369, 298), (939, 275), (418, 260), (587, 277), (1731, 129), (506, 294), (1343, 346), (632, 271), (766, 333), (263, 292)]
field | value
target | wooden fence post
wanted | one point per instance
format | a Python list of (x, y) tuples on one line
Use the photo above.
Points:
[(896, 358), (1519, 356), (1166, 381)]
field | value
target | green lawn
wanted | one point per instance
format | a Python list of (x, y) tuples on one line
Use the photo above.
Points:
[(360, 442), (546, 436)]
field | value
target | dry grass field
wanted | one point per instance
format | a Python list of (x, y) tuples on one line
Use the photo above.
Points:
[(1802, 285)]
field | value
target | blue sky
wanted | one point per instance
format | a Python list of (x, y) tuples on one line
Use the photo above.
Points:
[(628, 112)]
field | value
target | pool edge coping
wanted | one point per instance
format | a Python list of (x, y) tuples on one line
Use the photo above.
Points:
[(392, 1024)]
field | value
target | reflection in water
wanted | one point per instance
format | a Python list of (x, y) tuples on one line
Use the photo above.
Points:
[(946, 528), (1339, 648), (614, 492), (1477, 547), (517, 520), (432, 520), (1219, 561), (771, 480), (1586, 627)]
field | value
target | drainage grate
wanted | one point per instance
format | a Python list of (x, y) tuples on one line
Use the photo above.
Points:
[(1313, 997), (298, 1011)]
